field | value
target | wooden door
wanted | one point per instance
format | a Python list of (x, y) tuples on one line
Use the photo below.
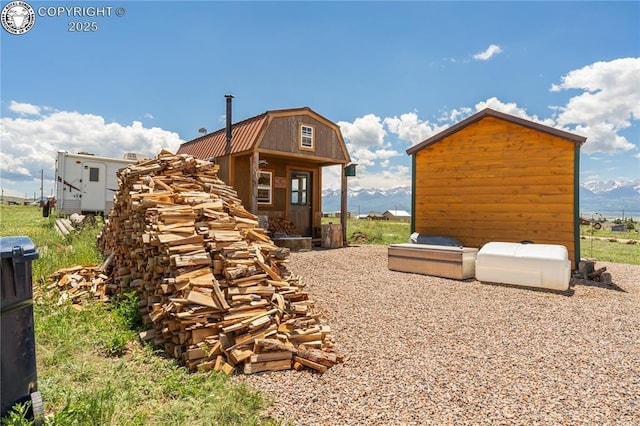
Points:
[(300, 196)]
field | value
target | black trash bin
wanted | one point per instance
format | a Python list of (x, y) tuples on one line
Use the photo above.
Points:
[(17, 339)]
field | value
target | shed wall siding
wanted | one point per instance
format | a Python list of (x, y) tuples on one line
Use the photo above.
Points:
[(283, 135), (242, 178), (224, 173), (497, 181)]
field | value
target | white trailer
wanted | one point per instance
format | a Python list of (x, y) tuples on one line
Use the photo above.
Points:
[(86, 183)]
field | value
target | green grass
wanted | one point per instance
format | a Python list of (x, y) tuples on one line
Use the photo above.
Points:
[(91, 368), (362, 231), (604, 245), (55, 251), (605, 232)]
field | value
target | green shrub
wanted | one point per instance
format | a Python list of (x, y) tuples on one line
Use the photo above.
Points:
[(126, 309), (18, 416)]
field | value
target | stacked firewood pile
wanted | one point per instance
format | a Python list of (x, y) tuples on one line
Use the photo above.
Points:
[(281, 226), (213, 288), (79, 284)]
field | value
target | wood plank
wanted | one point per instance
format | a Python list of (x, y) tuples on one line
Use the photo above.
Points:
[(327, 359), (258, 367), (313, 365), (203, 299), (271, 356)]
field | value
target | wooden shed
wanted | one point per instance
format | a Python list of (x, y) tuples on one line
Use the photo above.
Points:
[(274, 161), (397, 215), (497, 177)]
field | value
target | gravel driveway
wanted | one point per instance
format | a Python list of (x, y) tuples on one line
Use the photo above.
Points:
[(427, 350)]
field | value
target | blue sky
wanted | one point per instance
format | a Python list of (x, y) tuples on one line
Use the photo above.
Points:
[(389, 73)]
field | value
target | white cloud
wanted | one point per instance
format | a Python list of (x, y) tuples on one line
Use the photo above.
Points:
[(455, 115), (608, 104), (512, 108), (149, 116), (364, 131), (388, 178), (487, 54), (410, 128), (29, 145), (24, 109), (365, 141), (386, 153), (362, 156), (603, 137)]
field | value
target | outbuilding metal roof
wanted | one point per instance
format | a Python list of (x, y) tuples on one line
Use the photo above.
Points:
[(244, 134)]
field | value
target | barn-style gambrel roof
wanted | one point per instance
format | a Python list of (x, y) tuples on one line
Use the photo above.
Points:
[(247, 134)]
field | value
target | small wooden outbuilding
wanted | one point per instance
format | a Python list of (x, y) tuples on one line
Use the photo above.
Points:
[(397, 215), (274, 161), (497, 177)]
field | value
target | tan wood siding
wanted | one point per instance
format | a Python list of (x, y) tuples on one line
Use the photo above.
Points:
[(242, 178), (224, 172), (281, 167), (497, 181), (283, 135)]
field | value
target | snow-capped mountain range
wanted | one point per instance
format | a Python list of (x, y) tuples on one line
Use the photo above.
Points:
[(610, 198), (367, 200)]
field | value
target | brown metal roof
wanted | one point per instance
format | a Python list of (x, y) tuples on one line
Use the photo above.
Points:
[(487, 112), (244, 135)]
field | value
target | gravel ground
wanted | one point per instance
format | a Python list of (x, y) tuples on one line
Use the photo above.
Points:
[(425, 350)]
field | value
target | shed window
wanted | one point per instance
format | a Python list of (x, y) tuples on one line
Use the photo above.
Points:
[(265, 187), (306, 137), (94, 174)]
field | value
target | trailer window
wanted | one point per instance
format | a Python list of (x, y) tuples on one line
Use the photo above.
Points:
[(94, 174)]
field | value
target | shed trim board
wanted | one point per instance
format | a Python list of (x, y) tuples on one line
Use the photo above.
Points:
[(413, 193), (576, 203), (271, 141), (496, 177)]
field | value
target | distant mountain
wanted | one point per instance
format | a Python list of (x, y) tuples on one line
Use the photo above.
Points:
[(611, 198), (611, 185), (366, 200)]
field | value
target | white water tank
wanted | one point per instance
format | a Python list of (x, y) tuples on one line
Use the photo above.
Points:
[(531, 265)]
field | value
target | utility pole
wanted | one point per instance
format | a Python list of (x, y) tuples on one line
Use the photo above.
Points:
[(41, 184)]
